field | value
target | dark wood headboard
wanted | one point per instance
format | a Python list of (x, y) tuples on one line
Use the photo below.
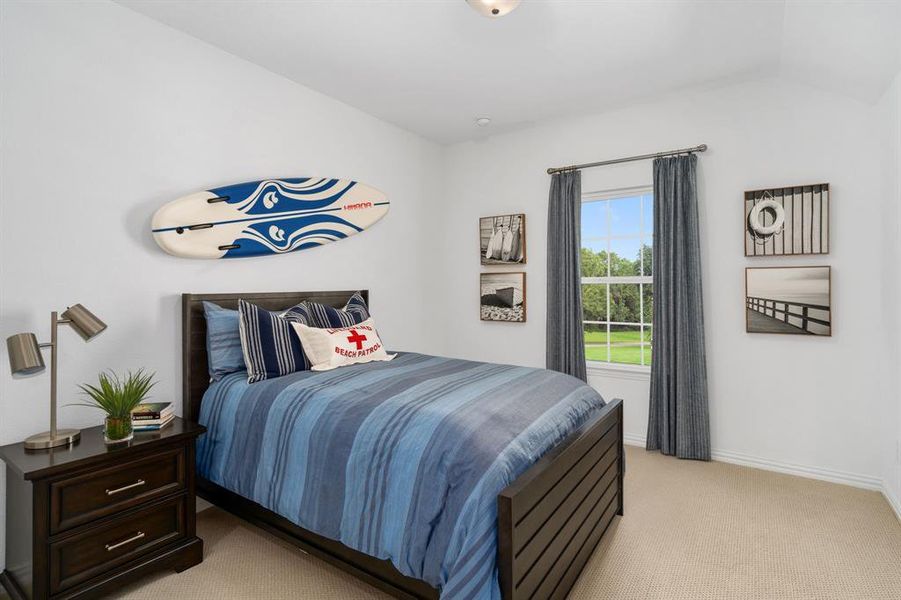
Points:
[(195, 370)]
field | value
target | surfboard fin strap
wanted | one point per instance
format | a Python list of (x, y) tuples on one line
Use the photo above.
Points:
[(230, 247), (201, 226), (217, 199)]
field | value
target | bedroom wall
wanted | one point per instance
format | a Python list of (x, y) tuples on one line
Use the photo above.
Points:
[(106, 115), (813, 406), (890, 105)]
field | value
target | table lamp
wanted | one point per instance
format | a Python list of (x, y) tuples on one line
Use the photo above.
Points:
[(25, 358)]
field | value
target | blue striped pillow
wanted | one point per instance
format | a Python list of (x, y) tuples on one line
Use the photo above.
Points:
[(271, 348), (223, 341), (326, 317)]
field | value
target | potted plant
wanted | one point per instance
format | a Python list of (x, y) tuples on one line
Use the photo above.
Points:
[(117, 397)]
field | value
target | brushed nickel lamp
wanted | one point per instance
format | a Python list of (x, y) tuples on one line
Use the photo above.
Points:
[(25, 358)]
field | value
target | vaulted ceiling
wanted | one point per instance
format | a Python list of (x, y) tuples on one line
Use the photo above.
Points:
[(433, 67)]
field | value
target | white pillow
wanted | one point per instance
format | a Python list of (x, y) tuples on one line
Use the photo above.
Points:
[(330, 348)]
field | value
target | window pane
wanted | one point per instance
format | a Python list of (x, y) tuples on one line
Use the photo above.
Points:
[(625, 215), (596, 342), (625, 344), (646, 349), (647, 355), (594, 302), (594, 259), (624, 303), (594, 219), (648, 211), (624, 257), (647, 293), (647, 250)]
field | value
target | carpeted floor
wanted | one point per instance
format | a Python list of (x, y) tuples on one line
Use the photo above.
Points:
[(692, 530)]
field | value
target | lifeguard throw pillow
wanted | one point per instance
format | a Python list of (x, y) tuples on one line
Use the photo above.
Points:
[(337, 347)]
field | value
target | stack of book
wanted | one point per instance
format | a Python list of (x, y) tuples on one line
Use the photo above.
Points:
[(152, 416)]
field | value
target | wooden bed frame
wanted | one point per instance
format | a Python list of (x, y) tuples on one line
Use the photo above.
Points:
[(549, 520)]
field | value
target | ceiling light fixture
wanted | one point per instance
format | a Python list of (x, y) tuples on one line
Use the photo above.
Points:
[(483, 121), (493, 8)]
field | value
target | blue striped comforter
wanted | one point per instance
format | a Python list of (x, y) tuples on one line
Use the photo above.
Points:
[(402, 460)]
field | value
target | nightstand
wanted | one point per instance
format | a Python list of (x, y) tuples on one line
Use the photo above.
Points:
[(84, 520)]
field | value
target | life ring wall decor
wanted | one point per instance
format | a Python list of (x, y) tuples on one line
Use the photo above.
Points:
[(757, 219), (786, 221)]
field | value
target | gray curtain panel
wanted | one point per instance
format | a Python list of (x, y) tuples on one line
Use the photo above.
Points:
[(678, 422), (565, 340)]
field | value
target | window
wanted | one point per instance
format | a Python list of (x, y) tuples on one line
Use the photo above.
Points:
[(617, 294)]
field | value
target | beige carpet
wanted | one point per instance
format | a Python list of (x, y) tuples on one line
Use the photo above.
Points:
[(692, 530)]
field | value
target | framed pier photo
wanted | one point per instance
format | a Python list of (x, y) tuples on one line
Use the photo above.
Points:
[(792, 300)]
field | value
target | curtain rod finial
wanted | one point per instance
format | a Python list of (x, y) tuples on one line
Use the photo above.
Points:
[(702, 148)]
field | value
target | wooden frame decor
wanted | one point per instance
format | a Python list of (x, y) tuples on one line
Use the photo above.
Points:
[(502, 240), (792, 300), (550, 519), (786, 221), (502, 297)]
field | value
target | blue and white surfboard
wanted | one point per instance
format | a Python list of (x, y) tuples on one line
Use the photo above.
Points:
[(273, 216)]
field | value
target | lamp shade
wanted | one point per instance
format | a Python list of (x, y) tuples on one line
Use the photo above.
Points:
[(24, 354), (83, 321)]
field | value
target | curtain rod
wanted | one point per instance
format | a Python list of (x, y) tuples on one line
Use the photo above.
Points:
[(700, 148)]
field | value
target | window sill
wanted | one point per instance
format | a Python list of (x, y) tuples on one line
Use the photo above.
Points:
[(619, 371)]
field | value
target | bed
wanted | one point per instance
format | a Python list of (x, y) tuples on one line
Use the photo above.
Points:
[(540, 529)]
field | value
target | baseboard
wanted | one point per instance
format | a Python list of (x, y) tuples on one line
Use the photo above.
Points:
[(746, 460), (893, 501), (630, 439)]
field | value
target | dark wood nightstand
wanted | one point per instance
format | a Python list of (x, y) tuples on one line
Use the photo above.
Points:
[(83, 520)]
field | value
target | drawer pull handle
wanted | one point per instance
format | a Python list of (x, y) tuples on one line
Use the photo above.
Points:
[(137, 483), (134, 538)]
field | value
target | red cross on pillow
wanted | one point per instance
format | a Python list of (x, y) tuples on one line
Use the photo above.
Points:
[(330, 348)]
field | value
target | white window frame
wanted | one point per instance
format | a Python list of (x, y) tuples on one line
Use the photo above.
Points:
[(605, 367)]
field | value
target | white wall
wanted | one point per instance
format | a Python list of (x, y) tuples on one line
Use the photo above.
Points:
[(106, 115), (783, 401), (890, 106)]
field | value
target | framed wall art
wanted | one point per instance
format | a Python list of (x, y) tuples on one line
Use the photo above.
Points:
[(786, 221), (792, 300), (503, 297), (502, 240)]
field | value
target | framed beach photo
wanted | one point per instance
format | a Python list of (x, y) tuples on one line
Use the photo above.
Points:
[(791, 300), (502, 240), (503, 297)]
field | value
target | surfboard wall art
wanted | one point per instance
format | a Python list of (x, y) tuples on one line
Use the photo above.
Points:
[(273, 216)]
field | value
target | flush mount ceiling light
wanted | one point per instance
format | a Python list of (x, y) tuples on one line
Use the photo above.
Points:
[(483, 121), (493, 8)]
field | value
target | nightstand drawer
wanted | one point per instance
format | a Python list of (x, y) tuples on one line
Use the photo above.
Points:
[(82, 499), (99, 549)]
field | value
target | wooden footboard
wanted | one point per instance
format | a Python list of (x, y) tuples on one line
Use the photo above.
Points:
[(551, 518)]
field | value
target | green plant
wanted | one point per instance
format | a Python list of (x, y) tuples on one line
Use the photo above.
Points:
[(118, 396)]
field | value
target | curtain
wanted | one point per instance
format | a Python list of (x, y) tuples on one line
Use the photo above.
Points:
[(565, 342), (678, 422)]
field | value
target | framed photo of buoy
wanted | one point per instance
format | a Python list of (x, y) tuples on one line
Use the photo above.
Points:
[(786, 221)]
